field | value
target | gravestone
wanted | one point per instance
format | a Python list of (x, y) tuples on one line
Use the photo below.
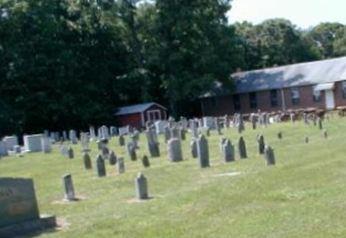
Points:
[(269, 156), (160, 126), (92, 133), (193, 146), (3, 149), (174, 150), (167, 134), (68, 188), (100, 166), (280, 135), (145, 161), (46, 144), (70, 153), (120, 165), (182, 134), (87, 161), (306, 139), (228, 151), (64, 135), (141, 187), (112, 158), (32, 143), (222, 141), (131, 151), (105, 152), (320, 125), (261, 144), (325, 134), (242, 148), (153, 143), (73, 137), (17, 201), (17, 149), (121, 140), (113, 131), (10, 142), (84, 139), (203, 152)]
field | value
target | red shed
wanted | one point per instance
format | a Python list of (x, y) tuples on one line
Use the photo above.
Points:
[(137, 115)]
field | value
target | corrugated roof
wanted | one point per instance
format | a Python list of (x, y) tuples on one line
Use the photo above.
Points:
[(324, 71), (135, 108)]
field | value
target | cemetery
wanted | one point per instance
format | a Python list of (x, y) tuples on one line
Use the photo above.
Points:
[(230, 176)]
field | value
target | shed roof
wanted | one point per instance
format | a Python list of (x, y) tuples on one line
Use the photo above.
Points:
[(311, 73), (136, 108)]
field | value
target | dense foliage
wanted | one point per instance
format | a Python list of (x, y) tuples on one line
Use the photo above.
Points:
[(69, 63)]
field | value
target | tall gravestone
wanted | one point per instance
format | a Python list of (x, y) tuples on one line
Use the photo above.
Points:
[(100, 166), (3, 149), (73, 137), (87, 161), (120, 165), (193, 146), (174, 150), (46, 144), (112, 158), (203, 152), (145, 161), (153, 143), (261, 144), (141, 185), (68, 188), (269, 156), (70, 153), (121, 140), (242, 148), (131, 150), (228, 151)]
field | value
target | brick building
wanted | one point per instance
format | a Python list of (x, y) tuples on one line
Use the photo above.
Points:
[(319, 84)]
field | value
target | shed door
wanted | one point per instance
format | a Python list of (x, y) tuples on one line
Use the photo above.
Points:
[(154, 115), (330, 103)]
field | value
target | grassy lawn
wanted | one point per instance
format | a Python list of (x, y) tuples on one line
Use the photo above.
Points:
[(304, 195)]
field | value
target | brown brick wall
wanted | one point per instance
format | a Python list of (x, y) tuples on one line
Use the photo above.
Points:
[(224, 105)]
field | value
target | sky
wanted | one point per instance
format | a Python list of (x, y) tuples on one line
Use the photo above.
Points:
[(303, 13)]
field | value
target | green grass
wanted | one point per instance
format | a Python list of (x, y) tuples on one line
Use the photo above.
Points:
[(304, 195)]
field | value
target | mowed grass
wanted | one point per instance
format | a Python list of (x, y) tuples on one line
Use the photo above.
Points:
[(304, 195)]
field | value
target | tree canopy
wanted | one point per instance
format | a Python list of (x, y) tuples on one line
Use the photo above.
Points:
[(70, 63)]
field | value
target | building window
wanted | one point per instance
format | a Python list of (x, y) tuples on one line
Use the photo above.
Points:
[(344, 89), (316, 94), (236, 102), (274, 98), (295, 96), (253, 100)]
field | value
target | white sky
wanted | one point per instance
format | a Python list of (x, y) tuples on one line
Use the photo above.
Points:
[(303, 13)]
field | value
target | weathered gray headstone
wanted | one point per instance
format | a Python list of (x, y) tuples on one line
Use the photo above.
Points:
[(87, 161), (228, 151), (203, 152), (145, 161), (112, 158), (121, 140), (269, 155), (174, 150), (32, 143), (70, 153), (100, 166), (261, 144), (141, 187), (10, 142), (193, 145), (73, 137), (46, 144), (242, 148), (120, 165), (153, 143), (131, 150), (17, 201), (68, 188), (320, 124), (3, 149)]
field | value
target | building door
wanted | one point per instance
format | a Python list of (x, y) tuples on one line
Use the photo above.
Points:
[(330, 102), (154, 115)]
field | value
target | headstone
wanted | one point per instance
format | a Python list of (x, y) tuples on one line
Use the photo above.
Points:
[(121, 140), (113, 131), (306, 139), (320, 125), (64, 135), (17, 201), (145, 161), (10, 142), (112, 158), (84, 139), (167, 134), (92, 133), (3, 149), (261, 144), (100, 166), (17, 149), (141, 187), (242, 148), (174, 150), (46, 144), (120, 165), (325, 134), (73, 137), (87, 161), (153, 143), (269, 155), (160, 127), (203, 152), (70, 153), (228, 151), (68, 187), (280, 135), (193, 145), (32, 143), (131, 150)]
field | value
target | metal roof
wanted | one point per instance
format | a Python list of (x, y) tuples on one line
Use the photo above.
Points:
[(135, 108), (324, 71)]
